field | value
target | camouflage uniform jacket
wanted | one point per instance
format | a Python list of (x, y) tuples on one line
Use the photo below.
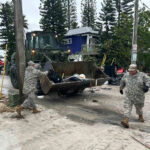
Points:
[(30, 80), (134, 86)]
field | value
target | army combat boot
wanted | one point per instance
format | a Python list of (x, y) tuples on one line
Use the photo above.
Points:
[(18, 110), (125, 122), (35, 110), (141, 119)]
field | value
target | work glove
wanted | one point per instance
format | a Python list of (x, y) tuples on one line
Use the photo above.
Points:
[(145, 89), (121, 92), (46, 72)]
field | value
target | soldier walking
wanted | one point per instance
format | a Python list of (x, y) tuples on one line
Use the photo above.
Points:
[(29, 87), (135, 84)]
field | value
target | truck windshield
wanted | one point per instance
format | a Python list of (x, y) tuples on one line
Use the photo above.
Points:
[(46, 41), (41, 41)]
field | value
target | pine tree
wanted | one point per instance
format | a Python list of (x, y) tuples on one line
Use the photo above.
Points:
[(53, 17), (143, 40), (118, 11), (7, 28), (123, 6), (123, 40), (88, 13), (127, 6), (71, 13), (106, 25), (107, 18)]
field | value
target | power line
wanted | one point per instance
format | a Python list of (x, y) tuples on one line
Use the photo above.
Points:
[(144, 4)]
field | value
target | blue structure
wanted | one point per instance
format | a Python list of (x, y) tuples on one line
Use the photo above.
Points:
[(80, 39)]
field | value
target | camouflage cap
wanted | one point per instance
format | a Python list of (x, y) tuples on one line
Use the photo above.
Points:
[(132, 67), (30, 63)]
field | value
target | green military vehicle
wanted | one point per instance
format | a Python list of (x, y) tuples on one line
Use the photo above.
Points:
[(43, 47), (39, 47)]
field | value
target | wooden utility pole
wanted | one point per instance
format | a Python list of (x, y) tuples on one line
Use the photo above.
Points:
[(134, 39), (20, 49)]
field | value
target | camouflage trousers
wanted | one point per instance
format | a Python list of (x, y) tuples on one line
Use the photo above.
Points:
[(29, 102), (128, 104)]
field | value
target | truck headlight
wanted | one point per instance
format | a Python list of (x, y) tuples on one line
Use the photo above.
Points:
[(33, 52), (69, 51)]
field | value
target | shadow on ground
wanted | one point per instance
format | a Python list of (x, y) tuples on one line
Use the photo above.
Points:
[(82, 108)]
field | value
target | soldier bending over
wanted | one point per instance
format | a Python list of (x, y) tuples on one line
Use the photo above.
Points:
[(29, 87)]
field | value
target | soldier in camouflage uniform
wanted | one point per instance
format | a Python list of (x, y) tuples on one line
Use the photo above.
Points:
[(134, 82), (29, 88)]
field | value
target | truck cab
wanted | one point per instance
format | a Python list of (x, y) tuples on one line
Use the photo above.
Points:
[(39, 47), (42, 46)]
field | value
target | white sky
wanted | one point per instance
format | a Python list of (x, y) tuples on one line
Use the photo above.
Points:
[(31, 11)]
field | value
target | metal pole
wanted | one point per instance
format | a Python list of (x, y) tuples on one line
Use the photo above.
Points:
[(20, 49), (3, 72), (134, 38)]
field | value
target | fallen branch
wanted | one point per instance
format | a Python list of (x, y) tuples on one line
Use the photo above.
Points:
[(147, 146)]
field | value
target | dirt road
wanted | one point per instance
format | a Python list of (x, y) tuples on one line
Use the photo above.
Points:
[(90, 121)]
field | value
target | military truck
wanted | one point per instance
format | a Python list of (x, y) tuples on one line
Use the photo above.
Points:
[(39, 47), (43, 47)]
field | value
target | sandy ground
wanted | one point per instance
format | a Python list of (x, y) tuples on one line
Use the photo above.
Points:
[(90, 121)]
